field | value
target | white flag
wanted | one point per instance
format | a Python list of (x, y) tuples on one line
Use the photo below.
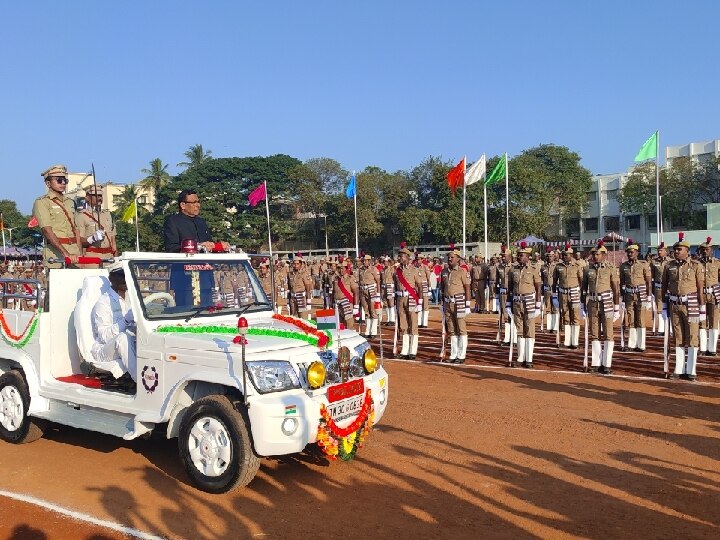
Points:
[(476, 172)]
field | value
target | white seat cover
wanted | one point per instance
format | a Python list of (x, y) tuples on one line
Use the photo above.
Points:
[(93, 287)]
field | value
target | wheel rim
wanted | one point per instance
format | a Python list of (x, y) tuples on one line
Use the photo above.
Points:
[(210, 446), (12, 411)]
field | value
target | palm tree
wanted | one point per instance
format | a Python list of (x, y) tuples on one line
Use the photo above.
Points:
[(125, 199), (196, 155), (156, 176)]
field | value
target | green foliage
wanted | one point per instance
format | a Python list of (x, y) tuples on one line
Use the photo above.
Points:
[(195, 155), (155, 177), (17, 221)]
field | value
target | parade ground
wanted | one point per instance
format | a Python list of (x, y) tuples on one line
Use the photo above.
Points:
[(464, 451)]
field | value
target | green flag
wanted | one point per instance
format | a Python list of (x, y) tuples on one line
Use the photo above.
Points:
[(497, 173), (649, 149)]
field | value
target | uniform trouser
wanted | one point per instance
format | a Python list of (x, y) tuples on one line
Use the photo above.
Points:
[(685, 333), (349, 322), (501, 306), (547, 302), (121, 355), (523, 324), (479, 295), (491, 294), (713, 317), (407, 319), (635, 312), (456, 326), (294, 310), (600, 325), (366, 301), (569, 312)]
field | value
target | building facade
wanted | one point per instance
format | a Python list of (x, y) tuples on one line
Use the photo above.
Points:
[(112, 192)]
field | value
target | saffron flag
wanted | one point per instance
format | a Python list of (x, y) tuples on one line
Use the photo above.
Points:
[(456, 176), (649, 149), (351, 190), (497, 173), (257, 195), (130, 212), (325, 319), (476, 171), (33, 222)]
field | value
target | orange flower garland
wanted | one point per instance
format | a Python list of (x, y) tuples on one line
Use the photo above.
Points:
[(344, 442), (323, 338), (24, 336)]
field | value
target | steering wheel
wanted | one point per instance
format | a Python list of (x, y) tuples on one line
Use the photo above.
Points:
[(150, 298)]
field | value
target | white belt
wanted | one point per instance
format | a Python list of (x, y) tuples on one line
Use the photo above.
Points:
[(708, 290), (657, 284), (401, 293), (679, 299), (595, 297), (632, 290), (503, 291), (567, 291)]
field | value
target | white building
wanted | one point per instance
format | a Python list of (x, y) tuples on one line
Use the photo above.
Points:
[(698, 152), (79, 182)]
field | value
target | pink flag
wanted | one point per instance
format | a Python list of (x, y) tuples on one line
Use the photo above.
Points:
[(257, 195), (33, 222)]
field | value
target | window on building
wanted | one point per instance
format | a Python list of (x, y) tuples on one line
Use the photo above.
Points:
[(632, 222), (142, 200), (612, 223), (591, 224), (116, 199), (651, 220), (572, 228), (611, 194), (592, 196), (679, 221)]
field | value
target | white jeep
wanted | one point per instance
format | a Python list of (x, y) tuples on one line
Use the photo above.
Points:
[(229, 402)]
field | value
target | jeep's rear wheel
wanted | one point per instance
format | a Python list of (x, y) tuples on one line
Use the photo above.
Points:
[(215, 445), (15, 425)]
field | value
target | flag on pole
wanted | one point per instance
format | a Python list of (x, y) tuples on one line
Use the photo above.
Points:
[(2, 223), (325, 319), (33, 222), (456, 176), (351, 190), (649, 149), (476, 171), (498, 173), (130, 212), (258, 194)]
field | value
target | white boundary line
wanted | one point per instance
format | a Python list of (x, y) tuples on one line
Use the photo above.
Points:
[(79, 516), (561, 371)]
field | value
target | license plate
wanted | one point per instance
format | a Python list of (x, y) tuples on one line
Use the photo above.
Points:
[(345, 390), (346, 408)]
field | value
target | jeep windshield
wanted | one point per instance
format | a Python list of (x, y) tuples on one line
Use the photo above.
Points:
[(197, 288)]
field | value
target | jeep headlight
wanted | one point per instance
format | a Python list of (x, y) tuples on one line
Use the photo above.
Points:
[(370, 361), (272, 376), (316, 374)]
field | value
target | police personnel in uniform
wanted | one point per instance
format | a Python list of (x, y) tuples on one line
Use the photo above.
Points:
[(601, 296), (409, 298), (524, 302), (503, 272), (682, 287), (709, 327), (547, 274), (96, 226), (656, 267), (55, 215), (388, 289), (491, 305), (346, 293), (455, 291), (478, 275), (265, 279), (370, 291), (635, 281), (299, 286), (567, 278)]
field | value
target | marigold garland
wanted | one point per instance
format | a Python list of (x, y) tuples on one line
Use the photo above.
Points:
[(344, 443), (214, 329), (18, 341), (324, 338)]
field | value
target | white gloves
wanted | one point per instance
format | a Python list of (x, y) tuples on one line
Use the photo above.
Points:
[(97, 236), (508, 310), (538, 310), (583, 313), (616, 313), (665, 311), (418, 308), (703, 313), (555, 301), (356, 311)]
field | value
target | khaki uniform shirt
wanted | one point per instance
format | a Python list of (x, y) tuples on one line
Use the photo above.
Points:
[(266, 284), (86, 224), (57, 213), (300, 281), (567, 275), (600, 278), (412, 276), (681, 278), (547, 274), (369, 276), (454, 281), (523, 279), (634, 274), (350, 283)]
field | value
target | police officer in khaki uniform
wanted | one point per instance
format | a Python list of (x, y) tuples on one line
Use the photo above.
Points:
[(54, 213), (299, 287), (96, 226), (525, 303), (455, 291), (281, 293), (547, 274), (709, 327), (346, 293), (567, 278), (503, 273), (265, 279), (388, 290), (601, 296), (370, 291), (656, 268), (409, 298), (635, 281), (683, 283), (424, 273), (491, 302), (478, 278)]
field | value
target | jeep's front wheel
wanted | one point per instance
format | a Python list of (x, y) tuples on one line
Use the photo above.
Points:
[(15, 425), (215, 445)]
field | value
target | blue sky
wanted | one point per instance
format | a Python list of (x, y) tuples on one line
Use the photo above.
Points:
[(383, 83)]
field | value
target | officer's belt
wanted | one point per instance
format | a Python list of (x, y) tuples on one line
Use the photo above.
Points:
[(92, 249), (595, 297), (401, 293), (521, 297), (633, 290), (678, 299), (502, 290), (66, 240), (657, 284), (568, 290), (708, 290)]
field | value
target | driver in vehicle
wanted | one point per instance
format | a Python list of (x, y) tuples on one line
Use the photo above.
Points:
[(114, 328)]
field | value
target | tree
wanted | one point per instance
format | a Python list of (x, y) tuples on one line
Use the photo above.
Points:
[(17, 221), (156, 176), (638, 194), (150, 239), (196, 156)]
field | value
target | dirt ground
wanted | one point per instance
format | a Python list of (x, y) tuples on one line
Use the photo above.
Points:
[(472, 451)]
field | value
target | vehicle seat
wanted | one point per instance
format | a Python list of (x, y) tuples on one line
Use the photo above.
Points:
[(93, 287)]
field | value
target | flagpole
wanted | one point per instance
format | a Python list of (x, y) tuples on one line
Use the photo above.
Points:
[(2, 226), (464, 200), (658, 211), (485, 218), (137, 229), (267, 215), (507, 204), (357, 243)]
